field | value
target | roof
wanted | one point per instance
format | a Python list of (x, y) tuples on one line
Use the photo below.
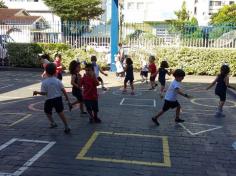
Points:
[(16, 16)]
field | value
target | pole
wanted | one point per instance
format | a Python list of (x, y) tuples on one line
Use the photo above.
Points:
[(114, 33)]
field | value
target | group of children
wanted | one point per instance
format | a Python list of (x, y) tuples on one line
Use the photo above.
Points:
[(85, 87)]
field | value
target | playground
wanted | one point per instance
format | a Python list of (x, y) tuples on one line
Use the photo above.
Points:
[(127, 142)]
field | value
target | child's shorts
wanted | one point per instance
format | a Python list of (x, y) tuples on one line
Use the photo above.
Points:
[(162, 82), (99, 79), (170, 104), (152, 78), (144, 73), (221, 95), (77, 93), (131, 80), (53, 103), (91, 105)]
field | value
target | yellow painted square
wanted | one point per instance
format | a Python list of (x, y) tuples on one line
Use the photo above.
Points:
[(88, 145)]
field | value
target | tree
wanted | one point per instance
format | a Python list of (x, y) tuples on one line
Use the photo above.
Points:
[(225, 15), (76, 10), (182, 14), (2, 5)]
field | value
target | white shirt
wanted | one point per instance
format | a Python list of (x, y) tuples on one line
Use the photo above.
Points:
[(144, 65), (52, 86), (171, 94)]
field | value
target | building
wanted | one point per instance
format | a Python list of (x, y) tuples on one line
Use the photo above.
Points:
[(203, 9)]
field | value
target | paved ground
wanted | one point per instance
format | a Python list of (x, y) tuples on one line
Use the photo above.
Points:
[(125, 143)]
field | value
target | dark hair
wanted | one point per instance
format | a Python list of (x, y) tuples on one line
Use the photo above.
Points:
[(224, 70), (179, 73), (129, 61), (73, 65), (57, 55), (152, 57), (51, 69), (89, 65), (93, 58), (164, 64), (44, 56), (120, 44)]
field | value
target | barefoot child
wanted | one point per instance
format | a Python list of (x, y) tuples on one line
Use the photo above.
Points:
[(171, 97), (52, 88), (75, 82), (222, 82), (89, 82)]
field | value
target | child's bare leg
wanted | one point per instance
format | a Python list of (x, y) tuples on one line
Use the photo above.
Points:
[(125, 86), (132, 87), (74, 103), (155, 118), (81, 106), (63, 118), (49, 116), (177, 112)]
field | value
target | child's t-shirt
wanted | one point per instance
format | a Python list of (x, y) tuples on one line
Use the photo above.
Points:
[(89, 88), (58, 64), (96, 69), (144, 66), (52, 86), (162, 73), (171, 93), (152, 68)]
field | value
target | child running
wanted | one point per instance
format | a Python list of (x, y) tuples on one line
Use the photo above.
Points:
[(90, 95), (97, 70), (171, 97), (153, 70), (53, 89), (222, 82), (75, 68), (129, 75), (57, 61), (144, 70), (162, 76), (44, 59)]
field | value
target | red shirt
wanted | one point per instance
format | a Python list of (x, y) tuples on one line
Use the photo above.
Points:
[(58, 64), (152, 68), (89, 85)]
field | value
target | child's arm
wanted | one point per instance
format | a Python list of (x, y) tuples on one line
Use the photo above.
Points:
[(65, 94), (182, 93), (212, 84), (102, 72), (39, 93), (73, 81)]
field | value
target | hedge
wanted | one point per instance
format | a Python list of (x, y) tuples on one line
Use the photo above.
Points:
[(199, 61)]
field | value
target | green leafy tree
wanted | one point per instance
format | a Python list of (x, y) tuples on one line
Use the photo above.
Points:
[(2, 5), (225, 15), (182, 14), (77, 10)]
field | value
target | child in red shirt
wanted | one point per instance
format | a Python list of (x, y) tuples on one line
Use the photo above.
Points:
[(89, 82), (153, 70), (57, 61)]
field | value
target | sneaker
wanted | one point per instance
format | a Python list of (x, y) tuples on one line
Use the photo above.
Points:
[(53, 125), (83, 112), (70, 106), (155, 121), (97, 120), (104, 88), (179, 120), (156, 85), (67, 130)]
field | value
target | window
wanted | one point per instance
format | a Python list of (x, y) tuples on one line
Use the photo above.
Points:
[(215, 3)]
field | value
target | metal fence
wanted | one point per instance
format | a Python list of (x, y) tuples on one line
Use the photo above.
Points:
[(97, 35)]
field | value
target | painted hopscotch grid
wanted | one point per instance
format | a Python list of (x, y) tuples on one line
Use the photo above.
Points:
[(166, 153), (151, 102), (25, 116), (28, 163)]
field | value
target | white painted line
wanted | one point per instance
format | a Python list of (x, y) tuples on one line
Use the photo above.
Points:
[(234, 145), (119, 92), (194, 101), (28, 163), (186, 129), (154, 103), (20, 120), (16, 101), (121, 103), (137, 105)]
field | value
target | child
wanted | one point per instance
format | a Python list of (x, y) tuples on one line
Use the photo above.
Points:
[(90, 95), (97, 70), (129, 75), (153, 70), (53, 89), (162, 76), (44, 59), (171, 97), (144, 70), (76, 89), (57, 61), (222, 82)]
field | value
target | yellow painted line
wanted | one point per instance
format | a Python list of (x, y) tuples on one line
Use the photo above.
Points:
[(166, 152), (88, 145), (20, 120)]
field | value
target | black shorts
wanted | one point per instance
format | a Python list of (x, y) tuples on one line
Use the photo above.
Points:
[(99, 79), (53, 103), (170, 104), (144, 73), (162, 82), (77, 93), (91, 105), (131, 80), (152, 78), (222, 96), (59, 76)]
